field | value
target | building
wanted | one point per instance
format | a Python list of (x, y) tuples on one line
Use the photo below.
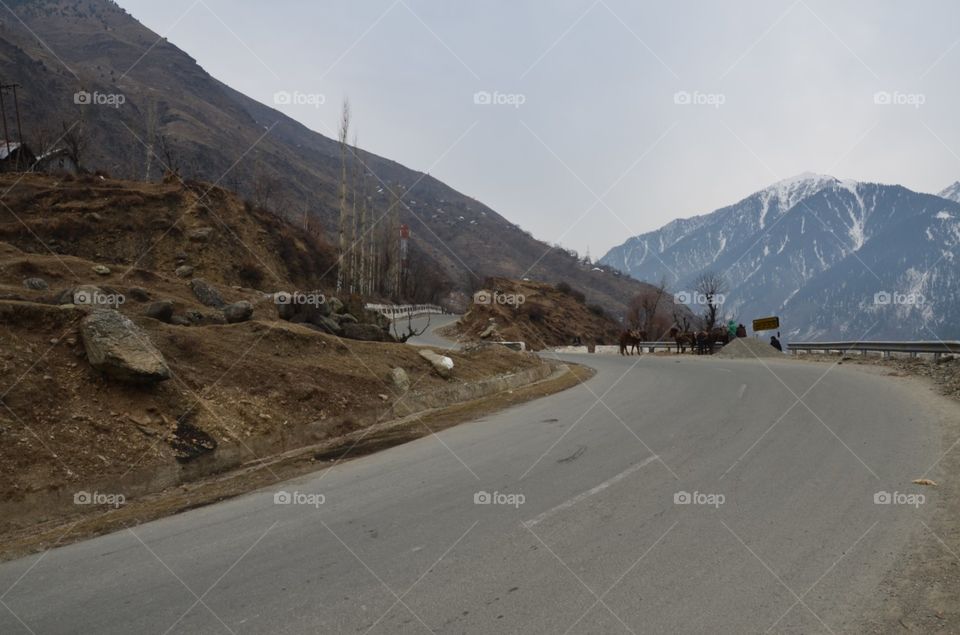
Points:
[(56, 161), (15, 157)]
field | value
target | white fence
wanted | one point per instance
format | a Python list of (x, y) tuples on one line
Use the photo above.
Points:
[(395, 311)]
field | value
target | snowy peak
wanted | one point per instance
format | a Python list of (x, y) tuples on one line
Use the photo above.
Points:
[(785, 194), (815, 249), (952, 193)]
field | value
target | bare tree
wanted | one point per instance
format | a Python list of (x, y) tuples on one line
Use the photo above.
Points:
[(342, 241), (74, 138), (168, 154), (711, 288), (410, 332), (644, 311)]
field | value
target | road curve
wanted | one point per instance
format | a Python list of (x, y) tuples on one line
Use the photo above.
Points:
[(782, 534)]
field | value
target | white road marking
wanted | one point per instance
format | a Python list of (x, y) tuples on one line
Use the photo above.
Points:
[(743, 389), (590, 492)]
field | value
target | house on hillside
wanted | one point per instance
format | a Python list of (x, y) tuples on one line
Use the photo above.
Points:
[(56, 161), (15, 157)]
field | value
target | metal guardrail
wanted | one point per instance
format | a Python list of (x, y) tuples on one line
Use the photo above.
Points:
[(394, 311), (649, 347), (935, 347)]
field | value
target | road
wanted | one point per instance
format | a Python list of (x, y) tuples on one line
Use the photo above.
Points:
[(431, 323), (783, 534)]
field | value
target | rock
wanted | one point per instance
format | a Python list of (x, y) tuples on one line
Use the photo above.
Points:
[(302, 307), (36, 284), (139, 294), (184, 271), (181, 258), (441, 363), (487, 332), (335, 304), (118, 347), (399, 379), (238, 312), (325, 324), (82, 295), (101, 270), (179, 320), (346, 318), (206, 293), (161, 310), (200, 234), (365, 332)]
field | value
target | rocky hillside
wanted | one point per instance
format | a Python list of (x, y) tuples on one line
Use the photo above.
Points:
[(143, 341), (539, 314), (833, 258), (214, 133)]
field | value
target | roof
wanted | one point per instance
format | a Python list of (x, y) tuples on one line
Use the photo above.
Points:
[(6, 150)]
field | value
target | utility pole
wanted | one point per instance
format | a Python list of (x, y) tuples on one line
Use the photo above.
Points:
[(16, 107)]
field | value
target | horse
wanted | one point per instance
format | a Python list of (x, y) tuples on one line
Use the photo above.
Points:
[(682, 339), (630, 340)]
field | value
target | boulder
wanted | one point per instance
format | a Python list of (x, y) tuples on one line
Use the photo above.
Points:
[(399, 379), (327, 325), (139, 294), (302, 307), (101, 270), (441, 363), (184, 271), (36, 284), (200, 234), (365, 332), (119, 348), (238, 312), (180, 320), (206, 293), (346, 318), (161, 310), (335, 304)]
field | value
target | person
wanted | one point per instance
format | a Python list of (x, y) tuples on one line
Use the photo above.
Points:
[(741, 331), (774, 342)]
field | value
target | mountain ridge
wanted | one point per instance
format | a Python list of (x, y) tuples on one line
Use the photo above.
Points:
[(779, 244), (219, 135)]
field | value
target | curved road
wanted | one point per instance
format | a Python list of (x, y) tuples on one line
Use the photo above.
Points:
[(782, 534)]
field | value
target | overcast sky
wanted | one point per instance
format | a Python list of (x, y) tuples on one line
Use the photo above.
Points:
[(616, 116)]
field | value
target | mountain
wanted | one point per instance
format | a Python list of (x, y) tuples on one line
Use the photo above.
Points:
[(833, 258), (139, 92), (952, 192)]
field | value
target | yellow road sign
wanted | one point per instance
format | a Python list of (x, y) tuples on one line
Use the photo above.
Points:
[(766, 324)]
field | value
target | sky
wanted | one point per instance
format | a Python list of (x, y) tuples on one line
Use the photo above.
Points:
[(589, 121)]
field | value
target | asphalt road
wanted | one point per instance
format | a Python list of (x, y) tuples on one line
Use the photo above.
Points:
[(783, 534)]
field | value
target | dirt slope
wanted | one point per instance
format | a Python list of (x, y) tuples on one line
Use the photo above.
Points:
[(539, 314)]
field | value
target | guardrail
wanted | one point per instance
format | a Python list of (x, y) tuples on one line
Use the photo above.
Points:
[(394, 311), (649, 347), (936, 348)]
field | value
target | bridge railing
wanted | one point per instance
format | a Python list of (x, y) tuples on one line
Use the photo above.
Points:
[(934, 347), (396, 311)]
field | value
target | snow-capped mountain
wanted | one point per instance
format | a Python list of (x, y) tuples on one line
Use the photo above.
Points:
[(833, 258), (952, 192)]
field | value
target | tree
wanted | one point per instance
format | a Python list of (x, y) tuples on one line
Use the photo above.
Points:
[(344, 220), (75, 140), (645, 310), (711, 287)]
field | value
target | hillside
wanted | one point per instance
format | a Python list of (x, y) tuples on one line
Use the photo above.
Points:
[(833, 258), (216, 134), (224, 387), (538, 314)]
